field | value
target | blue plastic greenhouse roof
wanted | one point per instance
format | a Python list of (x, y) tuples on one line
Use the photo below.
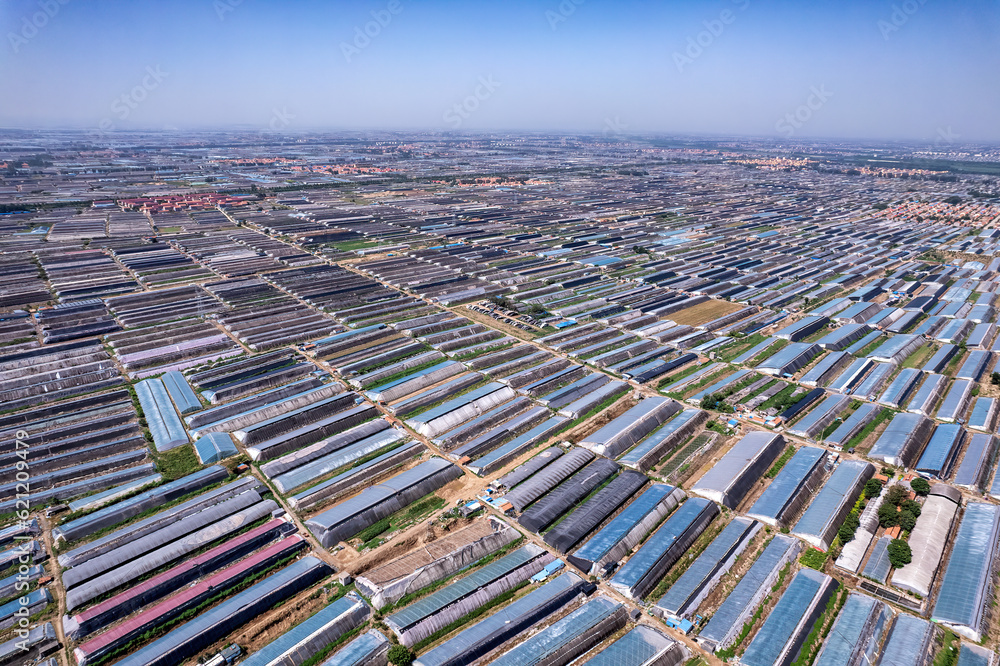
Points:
[(705, 566), (214, 447), (270, 652), (848, 631), (907, 642), (737, 601), (973, 655), (828, 500), (455, 403), (524, 607), (787, 484), (433, 603), (357, 651), (877, 567), (965, 582), (977, 453), (840, 435), (623, 523), (557, 636), (894, 438), (662, 540), (940, 449), (669, 428), (635, 648), (777, 630)]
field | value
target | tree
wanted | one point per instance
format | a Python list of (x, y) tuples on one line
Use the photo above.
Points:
[(907, 520), (400, 655), (896, 495), (899, 553), (920, 485), (873, 488), (888, 516), (912, 506)]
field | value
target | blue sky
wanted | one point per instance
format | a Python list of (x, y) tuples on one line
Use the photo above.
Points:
[(852, 69)]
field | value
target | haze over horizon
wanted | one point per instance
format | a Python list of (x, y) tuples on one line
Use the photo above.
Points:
[(874, 70)]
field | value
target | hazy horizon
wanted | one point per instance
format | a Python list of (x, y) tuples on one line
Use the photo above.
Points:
[(913, 70)]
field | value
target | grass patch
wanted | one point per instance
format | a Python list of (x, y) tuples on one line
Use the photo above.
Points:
[(177, 462), (884, 415), (785, 456), (814, 559), (948, 654)]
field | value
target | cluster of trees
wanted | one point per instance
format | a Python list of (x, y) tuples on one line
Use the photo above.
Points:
[(714, 401), (898, 509), (853, 521)]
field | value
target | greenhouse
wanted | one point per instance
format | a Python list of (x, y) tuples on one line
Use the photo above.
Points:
[(527, 469), (974, 655), (587, 516), (500, 456), (983, 415), (790, 360), (651, 450), (791, 489), (816, 421), (852, 375), (896, 348), (640, 574), (381, 501), (827, 368), (977, 462), (843, 337), (852, 425), (214, 447), (570, 637), (802, 328), (968, 580), (871, 386), (369, 649), (910, 641), (902, 439), (701, 577), (567, 495), (304, 640), (133, 506), (625, 431), (626, 530), (818, 525), (900, 388), (942, 449), (442, 607), (975, 365), (927, 396), (956, 400), (877, 567), (941, 358), (547, 478), (194, 635), (643, 646), (928, 540), (783, 632), (488, 634), (857, 633), (729, 480)]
